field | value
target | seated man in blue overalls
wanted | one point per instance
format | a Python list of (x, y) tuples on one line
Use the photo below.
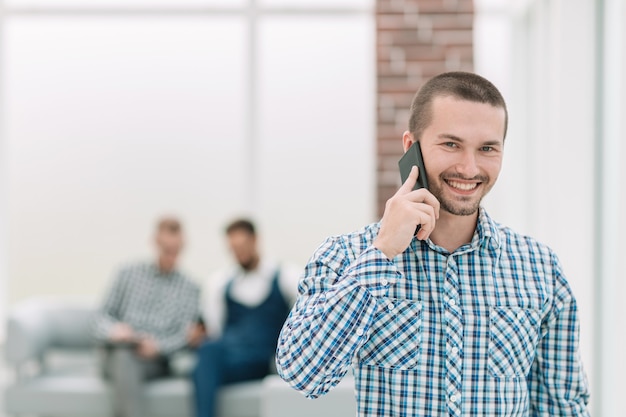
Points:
[(246, 308)]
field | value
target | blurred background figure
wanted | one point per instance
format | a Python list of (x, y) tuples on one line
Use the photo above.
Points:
[(246, 308), (144, 319)]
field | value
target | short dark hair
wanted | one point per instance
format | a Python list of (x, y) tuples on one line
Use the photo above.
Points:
[(461, 85), (241, 224), (170, 225)]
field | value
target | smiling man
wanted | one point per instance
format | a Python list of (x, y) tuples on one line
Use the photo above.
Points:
[(465, 318)]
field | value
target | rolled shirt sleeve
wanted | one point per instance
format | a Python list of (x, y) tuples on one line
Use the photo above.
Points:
[(557, 382), (332, 315), (109, 312)]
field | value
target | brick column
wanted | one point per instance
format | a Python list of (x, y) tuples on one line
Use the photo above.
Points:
[(415, 40)]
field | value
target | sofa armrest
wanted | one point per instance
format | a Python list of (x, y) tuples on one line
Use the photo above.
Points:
[(27, 335), (38, 324)]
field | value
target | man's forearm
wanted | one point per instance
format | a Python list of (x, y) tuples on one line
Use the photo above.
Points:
[(321, 336), (330, 323)]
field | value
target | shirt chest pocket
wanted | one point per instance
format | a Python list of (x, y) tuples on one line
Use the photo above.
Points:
[(395, 337), (513, 339)]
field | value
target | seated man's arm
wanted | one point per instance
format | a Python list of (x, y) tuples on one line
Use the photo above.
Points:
[(197, 333), (177, 336), (557, 381), (107, 323), (332, 316)]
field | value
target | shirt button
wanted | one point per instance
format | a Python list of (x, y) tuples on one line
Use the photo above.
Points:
[(359, 332), (453, 398), (452, 302), (384, 282), (455, 350), (390, 306)]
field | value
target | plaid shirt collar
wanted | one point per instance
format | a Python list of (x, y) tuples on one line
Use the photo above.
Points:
[(486, 236)]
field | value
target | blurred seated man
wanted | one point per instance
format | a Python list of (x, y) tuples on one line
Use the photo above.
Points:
[(246, 309), (144, 319)]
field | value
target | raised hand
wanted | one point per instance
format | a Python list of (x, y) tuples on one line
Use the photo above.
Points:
[(404, 211)]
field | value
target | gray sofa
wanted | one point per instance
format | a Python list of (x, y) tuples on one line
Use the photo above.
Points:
[(55, 363)]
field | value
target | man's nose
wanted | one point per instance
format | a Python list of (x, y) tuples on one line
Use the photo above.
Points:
[(467, 165)]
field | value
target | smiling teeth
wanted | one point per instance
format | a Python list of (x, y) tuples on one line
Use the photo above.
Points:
[(462, 186)]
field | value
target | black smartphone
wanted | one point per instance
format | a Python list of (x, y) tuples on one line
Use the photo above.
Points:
[(413, 156)]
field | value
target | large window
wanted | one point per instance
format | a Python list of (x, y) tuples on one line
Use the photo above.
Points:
[(117, 112)]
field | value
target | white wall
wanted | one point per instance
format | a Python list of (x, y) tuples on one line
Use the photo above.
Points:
[(317, 113), (111, 122), (610, 288), (113, 119), (620, 247)]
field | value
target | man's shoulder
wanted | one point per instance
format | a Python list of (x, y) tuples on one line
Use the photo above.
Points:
[(518, 244), (352, 243), (219, 278), (534, 261), (148, 269), (187, 281), (135, 268)]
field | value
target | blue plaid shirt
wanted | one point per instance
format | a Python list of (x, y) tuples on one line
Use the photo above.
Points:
[(488, 330)]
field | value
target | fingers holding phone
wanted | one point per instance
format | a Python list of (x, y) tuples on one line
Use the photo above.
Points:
[(404, 212), (413, 158)]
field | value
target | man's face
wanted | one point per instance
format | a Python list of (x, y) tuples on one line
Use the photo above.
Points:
[(243, 246), (169, 246), (462, 149)]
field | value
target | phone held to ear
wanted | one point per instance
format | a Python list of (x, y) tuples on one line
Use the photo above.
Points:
[(413, 156)]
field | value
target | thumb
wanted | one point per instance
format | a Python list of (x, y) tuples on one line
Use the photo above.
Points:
[(408, 185)]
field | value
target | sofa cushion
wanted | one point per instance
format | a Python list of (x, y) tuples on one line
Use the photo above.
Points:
[(243, 399), (59, 395), (71, 326), (89, 396)]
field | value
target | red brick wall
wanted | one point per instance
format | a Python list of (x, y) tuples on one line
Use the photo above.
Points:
[(415, 40)]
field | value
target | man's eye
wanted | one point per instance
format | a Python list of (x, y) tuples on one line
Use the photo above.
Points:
[(486, 148), (450, 144)]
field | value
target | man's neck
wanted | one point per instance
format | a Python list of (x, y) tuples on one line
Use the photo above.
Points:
[(452, 232), (165, 269), (253, 265)]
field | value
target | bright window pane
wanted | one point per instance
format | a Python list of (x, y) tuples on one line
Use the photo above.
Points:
[(123, 3), (317, 128), (111, 122), (340, 4)]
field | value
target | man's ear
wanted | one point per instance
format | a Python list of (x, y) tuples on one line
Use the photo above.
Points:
[(407, 140)]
